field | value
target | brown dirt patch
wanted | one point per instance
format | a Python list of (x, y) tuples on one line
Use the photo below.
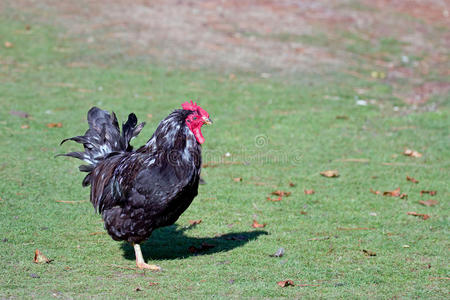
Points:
[(406, 39)]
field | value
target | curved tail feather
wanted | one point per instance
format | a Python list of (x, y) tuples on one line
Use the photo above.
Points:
[(103, 139)]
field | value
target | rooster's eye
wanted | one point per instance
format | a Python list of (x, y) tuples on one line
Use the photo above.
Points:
[(195, 118)]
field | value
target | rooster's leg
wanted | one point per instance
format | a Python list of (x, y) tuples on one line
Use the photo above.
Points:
[(140, 262)]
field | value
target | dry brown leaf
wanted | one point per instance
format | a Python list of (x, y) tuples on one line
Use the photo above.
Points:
[(255, 224), (291, 184), (40, 258), (412, 153), (403, 196), (195, 222), (54, 125), (375, 192), (8, 44), (309, 192), (330, 173), (413, 213), (431, 193), (152, 283), (394, 193), (302, 212), (237, 179), (274, 200), (281, 193), (413, 180), (285, 283), (430, 202), (149, 116), (25, 126), (369, 253), (342, 117)]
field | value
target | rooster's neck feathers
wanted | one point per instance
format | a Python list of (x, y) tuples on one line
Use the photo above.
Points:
[(173, 140)]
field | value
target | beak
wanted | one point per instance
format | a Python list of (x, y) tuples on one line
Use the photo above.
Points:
[(207, 121)]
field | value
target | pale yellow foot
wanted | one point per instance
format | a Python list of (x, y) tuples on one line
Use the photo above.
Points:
[(144, 266), (140, 262)]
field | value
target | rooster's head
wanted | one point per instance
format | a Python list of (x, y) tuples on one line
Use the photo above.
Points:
[(196, 120)]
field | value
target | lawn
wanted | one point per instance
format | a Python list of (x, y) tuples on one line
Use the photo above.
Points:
[(343, 241)]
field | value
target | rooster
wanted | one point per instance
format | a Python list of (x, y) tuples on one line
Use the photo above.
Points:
[(138, 191)]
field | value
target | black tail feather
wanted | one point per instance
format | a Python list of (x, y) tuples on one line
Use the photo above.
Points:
[(103, 139)]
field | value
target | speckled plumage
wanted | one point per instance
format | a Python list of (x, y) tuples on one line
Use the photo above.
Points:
[(139, 191)]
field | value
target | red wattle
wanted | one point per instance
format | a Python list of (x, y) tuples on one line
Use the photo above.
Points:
[(198, 135)]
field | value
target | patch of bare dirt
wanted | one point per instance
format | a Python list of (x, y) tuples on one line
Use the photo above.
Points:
[(406, 39)]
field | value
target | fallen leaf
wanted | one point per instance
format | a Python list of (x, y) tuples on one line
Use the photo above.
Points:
[(27, 27), (309, 192), (19, 113), (369, 253), (195, 222), (285, 283), (413, 213), (330, 173), (152, 283), (40, 258), (279, 253), (291, 184), (342, 117), (25, 126), (237, 179), (394, 193), (412, 153), (8, 44), (430, 202), (431, 193), (54, 125), (274, 200), (137, 289), (403, 196), (413, 180), (281, 193), (255, 224), (302, 212), (149, 116), (375, 192)]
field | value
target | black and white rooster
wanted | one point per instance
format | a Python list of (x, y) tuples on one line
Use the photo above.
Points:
[(138, 191)]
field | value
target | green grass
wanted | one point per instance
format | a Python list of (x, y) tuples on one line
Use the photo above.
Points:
[(302, 137)]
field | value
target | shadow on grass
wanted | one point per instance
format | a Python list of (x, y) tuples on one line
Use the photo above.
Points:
[(171, 243)]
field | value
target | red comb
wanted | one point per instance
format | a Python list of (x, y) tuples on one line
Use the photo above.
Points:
[(193, 106), (189, 106)]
